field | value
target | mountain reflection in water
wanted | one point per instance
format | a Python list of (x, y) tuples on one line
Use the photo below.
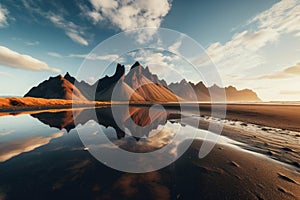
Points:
[(61, 168), (137, 119), (37, 161)]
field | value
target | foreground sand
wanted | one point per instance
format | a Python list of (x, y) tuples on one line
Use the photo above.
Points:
[(226, 173), (231, 173)]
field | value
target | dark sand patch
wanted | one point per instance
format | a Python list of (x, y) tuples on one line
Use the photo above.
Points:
[(229, 173)]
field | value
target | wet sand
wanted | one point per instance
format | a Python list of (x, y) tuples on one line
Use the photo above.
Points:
[(226, 173), (278, 144), (230, 173), (272, 115)]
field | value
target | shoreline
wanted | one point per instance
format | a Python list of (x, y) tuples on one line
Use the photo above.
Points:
[(283, 116)]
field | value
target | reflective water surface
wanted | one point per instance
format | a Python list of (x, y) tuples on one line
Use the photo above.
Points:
[(42, 157)]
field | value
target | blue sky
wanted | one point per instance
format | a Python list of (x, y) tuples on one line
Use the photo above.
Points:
[(254, 44)]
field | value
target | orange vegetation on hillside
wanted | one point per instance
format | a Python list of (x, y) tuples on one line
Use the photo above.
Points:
[(31, 102)]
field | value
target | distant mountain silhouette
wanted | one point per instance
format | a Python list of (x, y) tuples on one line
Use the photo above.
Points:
[(138, 85), (189, 90)]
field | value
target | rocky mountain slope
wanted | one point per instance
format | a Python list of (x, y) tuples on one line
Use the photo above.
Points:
[(138, 85)]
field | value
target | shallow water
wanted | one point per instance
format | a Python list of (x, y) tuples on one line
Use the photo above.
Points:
[(47, 155)]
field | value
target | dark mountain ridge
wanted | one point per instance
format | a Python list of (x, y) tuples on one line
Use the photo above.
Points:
[(139, 84)]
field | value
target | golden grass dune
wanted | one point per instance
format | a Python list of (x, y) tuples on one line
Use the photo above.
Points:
[(31, 103)]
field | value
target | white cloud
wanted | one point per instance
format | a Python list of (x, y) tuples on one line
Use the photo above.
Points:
[(32, 43), (72, 30), (167, 66), (54, 54), (110, 57), (14, 59), (3, 16), (132, 14), (95, 16), (241, 51), (174, 48), (100, 4), (244, 48), (283, 17)]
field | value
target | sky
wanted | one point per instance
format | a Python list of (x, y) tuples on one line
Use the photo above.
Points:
[(252, 44)]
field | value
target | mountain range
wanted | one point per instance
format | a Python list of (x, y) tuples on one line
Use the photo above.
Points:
[(138, 85)]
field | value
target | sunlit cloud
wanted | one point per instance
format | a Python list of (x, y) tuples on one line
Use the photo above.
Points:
[(290, 92), (14, 59), (284, 17), (243, 50), (289, 72), (54, 54), (128, 15)]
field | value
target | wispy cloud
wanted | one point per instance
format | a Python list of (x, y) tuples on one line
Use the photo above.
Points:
[(166, 65), (174, 48), (14, 59), (34, 43), (128, 15), (3, 16), (54, 54), (57, 17), (72, 30), (241, 50), (155, 58), (289, 72), (290, 92), (91, 56), (26, 42), (244, 48), (284, 17), (6, 74), (110, 57)]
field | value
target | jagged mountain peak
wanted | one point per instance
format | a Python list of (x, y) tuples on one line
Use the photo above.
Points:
[(145, 85), (136, 64), (56, 88)]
